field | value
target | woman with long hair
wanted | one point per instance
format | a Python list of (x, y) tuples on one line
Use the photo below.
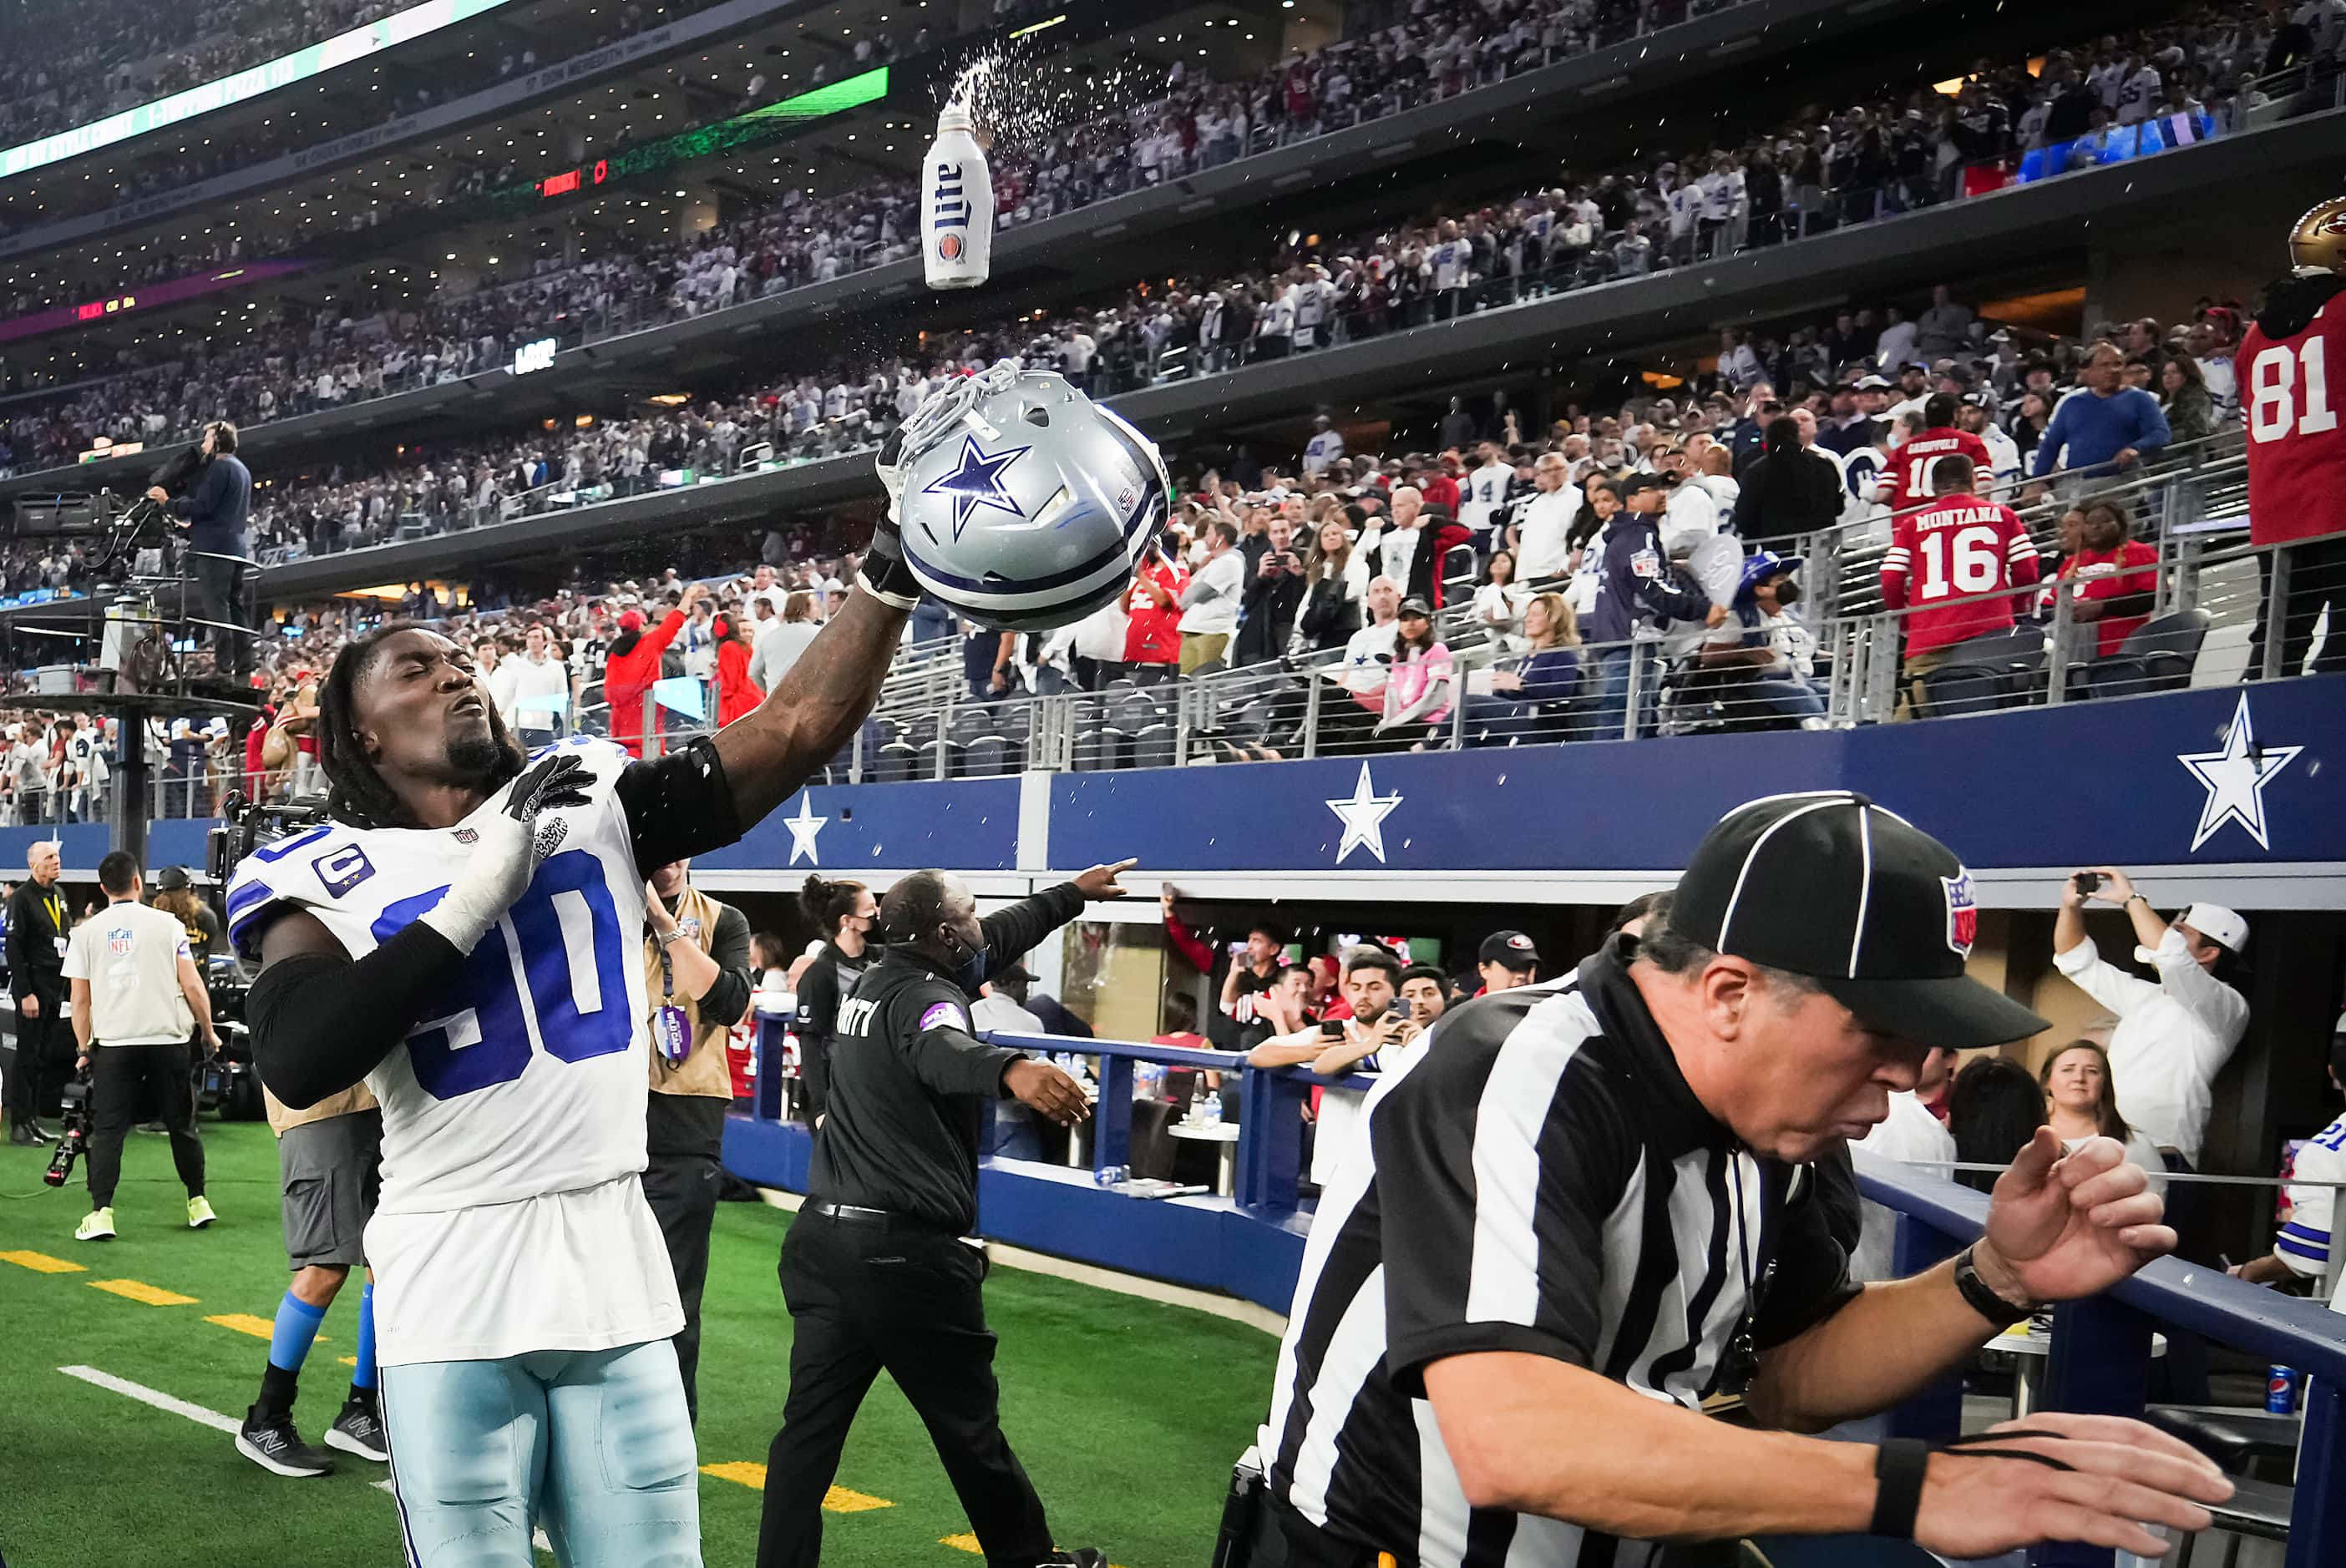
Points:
[(1499, 603), (2081, 1102), (1527, 695), (1336, 578), (2184, 398), (737, 694), (845, 914), (1994, 1109), (2116, 575)]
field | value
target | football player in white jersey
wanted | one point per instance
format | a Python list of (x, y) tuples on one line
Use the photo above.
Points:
[(2308, 1245), (463, 936)]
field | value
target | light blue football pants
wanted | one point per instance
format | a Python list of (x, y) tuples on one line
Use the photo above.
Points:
[(595, 1446)]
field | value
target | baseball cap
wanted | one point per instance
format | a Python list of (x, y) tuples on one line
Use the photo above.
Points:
[(1830, 885), (1763, 565), (1511, 948), (172, 879), (1014, 972), (1872, 383), (1637, 481), (2218, 924), (1413, 606), (631, 620)]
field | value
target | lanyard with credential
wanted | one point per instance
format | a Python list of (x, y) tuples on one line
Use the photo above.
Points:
[(671, 1031)]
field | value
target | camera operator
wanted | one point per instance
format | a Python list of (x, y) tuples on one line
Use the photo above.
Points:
[(37, 952), (1374, 1040), (213, 510), (137, 1000)]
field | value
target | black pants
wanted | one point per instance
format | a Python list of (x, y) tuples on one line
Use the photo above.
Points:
[(118, 1074), (2317, 578), (44, 1060), (223, 593), (682, 1191), (862, 1298)]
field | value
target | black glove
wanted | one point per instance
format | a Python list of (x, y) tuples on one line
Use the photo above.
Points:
[(883, 573)]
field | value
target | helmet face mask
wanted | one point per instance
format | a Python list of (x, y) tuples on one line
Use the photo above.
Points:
[(1028, 506), (2317, 242)]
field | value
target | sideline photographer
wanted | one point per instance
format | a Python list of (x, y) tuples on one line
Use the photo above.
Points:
[(214, 510), (137, 1000)]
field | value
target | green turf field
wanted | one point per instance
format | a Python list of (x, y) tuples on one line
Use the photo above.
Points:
[(1126, 1413)]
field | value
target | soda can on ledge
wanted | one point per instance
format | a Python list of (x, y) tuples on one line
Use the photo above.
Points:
[(2280, 1391), (1111, 1175)]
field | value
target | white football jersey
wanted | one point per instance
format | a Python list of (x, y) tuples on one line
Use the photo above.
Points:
[(512, 1219), (529, 1078), (2307, 1242)]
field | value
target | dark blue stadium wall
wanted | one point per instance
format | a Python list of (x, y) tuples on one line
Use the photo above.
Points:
[(2138, 783)]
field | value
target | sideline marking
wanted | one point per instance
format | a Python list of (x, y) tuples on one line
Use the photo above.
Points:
[(155, 1397), (41, 1263), (751, 1474), (152, 1295)]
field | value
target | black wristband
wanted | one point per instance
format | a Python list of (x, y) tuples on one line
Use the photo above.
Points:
[(1899, 1466), (1983, 1301)]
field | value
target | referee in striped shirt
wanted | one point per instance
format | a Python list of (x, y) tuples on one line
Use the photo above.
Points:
[(1586, 1208)]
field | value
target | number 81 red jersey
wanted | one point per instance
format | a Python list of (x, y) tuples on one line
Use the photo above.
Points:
[(2297, 449)]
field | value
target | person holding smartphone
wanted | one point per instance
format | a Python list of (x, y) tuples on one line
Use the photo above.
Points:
[(1372, 1040), (1274, 591)]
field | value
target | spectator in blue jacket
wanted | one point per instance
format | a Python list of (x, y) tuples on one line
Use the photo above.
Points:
[(1527, 696), (1638, 595), (2104, 426)]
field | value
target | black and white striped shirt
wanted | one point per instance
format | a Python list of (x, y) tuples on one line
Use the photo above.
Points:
[(1539, 1178)]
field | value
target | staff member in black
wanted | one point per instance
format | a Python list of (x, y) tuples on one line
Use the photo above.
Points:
[(213, 509), (37, 929), (843, 911), (876, 1271), (696, 961)]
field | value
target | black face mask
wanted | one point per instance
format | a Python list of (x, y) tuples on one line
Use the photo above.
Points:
[(1788, 594)]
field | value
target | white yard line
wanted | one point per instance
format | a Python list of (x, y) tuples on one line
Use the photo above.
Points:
[(155, 1397)]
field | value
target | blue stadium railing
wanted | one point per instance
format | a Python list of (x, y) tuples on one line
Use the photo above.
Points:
[(2101, 1353)]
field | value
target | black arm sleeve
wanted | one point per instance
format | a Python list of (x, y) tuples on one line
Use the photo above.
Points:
[(319, 1022), (725, 1001), (1011, 931), (818, 1010), (20, 965), (679, 806)]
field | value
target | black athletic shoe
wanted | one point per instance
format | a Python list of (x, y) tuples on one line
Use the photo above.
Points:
[(270, 1442), (21, 1135), (358, 1430), (1079, 1557)]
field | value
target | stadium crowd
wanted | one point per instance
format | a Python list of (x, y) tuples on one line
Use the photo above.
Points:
[(1875, 158)]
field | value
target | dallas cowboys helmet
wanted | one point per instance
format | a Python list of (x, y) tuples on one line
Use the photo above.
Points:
[(1022, 504)]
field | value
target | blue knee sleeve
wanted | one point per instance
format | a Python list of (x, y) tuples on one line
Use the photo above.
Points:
[(362, 1376), (297, 1325)]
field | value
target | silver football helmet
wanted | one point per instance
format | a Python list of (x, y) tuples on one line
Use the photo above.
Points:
[(1021, 502)]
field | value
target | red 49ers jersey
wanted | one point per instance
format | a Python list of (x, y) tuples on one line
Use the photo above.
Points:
[(1910, 466), (1943, 556), (2297, 448)]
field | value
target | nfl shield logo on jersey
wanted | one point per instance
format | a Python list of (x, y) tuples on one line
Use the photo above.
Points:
[(117, 941), (1963, 912)]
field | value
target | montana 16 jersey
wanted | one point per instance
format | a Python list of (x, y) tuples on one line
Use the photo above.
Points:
[(529, 1078)]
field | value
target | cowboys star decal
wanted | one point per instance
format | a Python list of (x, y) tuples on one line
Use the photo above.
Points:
[(976, 483)]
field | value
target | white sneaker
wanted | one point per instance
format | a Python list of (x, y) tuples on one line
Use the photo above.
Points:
[(97, 1225)]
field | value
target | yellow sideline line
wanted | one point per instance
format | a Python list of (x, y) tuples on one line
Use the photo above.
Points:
[(838, 1500), (41, 1263), (152, 1295)]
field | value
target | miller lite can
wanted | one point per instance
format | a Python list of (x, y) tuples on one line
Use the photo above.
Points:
[(957, 226), (2280, 1391)]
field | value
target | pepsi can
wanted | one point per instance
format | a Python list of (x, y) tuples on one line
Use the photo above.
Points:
[(2280, 1391)]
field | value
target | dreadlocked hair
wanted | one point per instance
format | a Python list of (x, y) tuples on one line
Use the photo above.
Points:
[(356, 793)]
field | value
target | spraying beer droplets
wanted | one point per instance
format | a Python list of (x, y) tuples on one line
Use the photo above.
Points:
[(996, 100)]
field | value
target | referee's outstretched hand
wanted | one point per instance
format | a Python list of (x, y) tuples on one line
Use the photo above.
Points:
[(1047, 1089), (2061, 1227), (2097, 1479), (1100, 881)]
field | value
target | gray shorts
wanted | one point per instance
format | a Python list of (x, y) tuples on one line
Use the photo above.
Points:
[(333, 1174)]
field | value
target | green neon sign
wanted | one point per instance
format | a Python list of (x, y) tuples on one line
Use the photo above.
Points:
[(249, 83)]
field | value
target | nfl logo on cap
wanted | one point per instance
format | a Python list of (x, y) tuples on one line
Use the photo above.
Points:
[(1963, 912)]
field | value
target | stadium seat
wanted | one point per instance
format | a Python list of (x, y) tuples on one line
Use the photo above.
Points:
[(897, 761), (1984, 674), (987, 756), (1155, 747), (2157, 655)]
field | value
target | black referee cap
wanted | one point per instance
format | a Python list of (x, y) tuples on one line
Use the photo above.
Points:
[(1882, 914)]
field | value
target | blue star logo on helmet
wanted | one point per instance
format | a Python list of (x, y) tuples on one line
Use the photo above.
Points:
[(977, 482)]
